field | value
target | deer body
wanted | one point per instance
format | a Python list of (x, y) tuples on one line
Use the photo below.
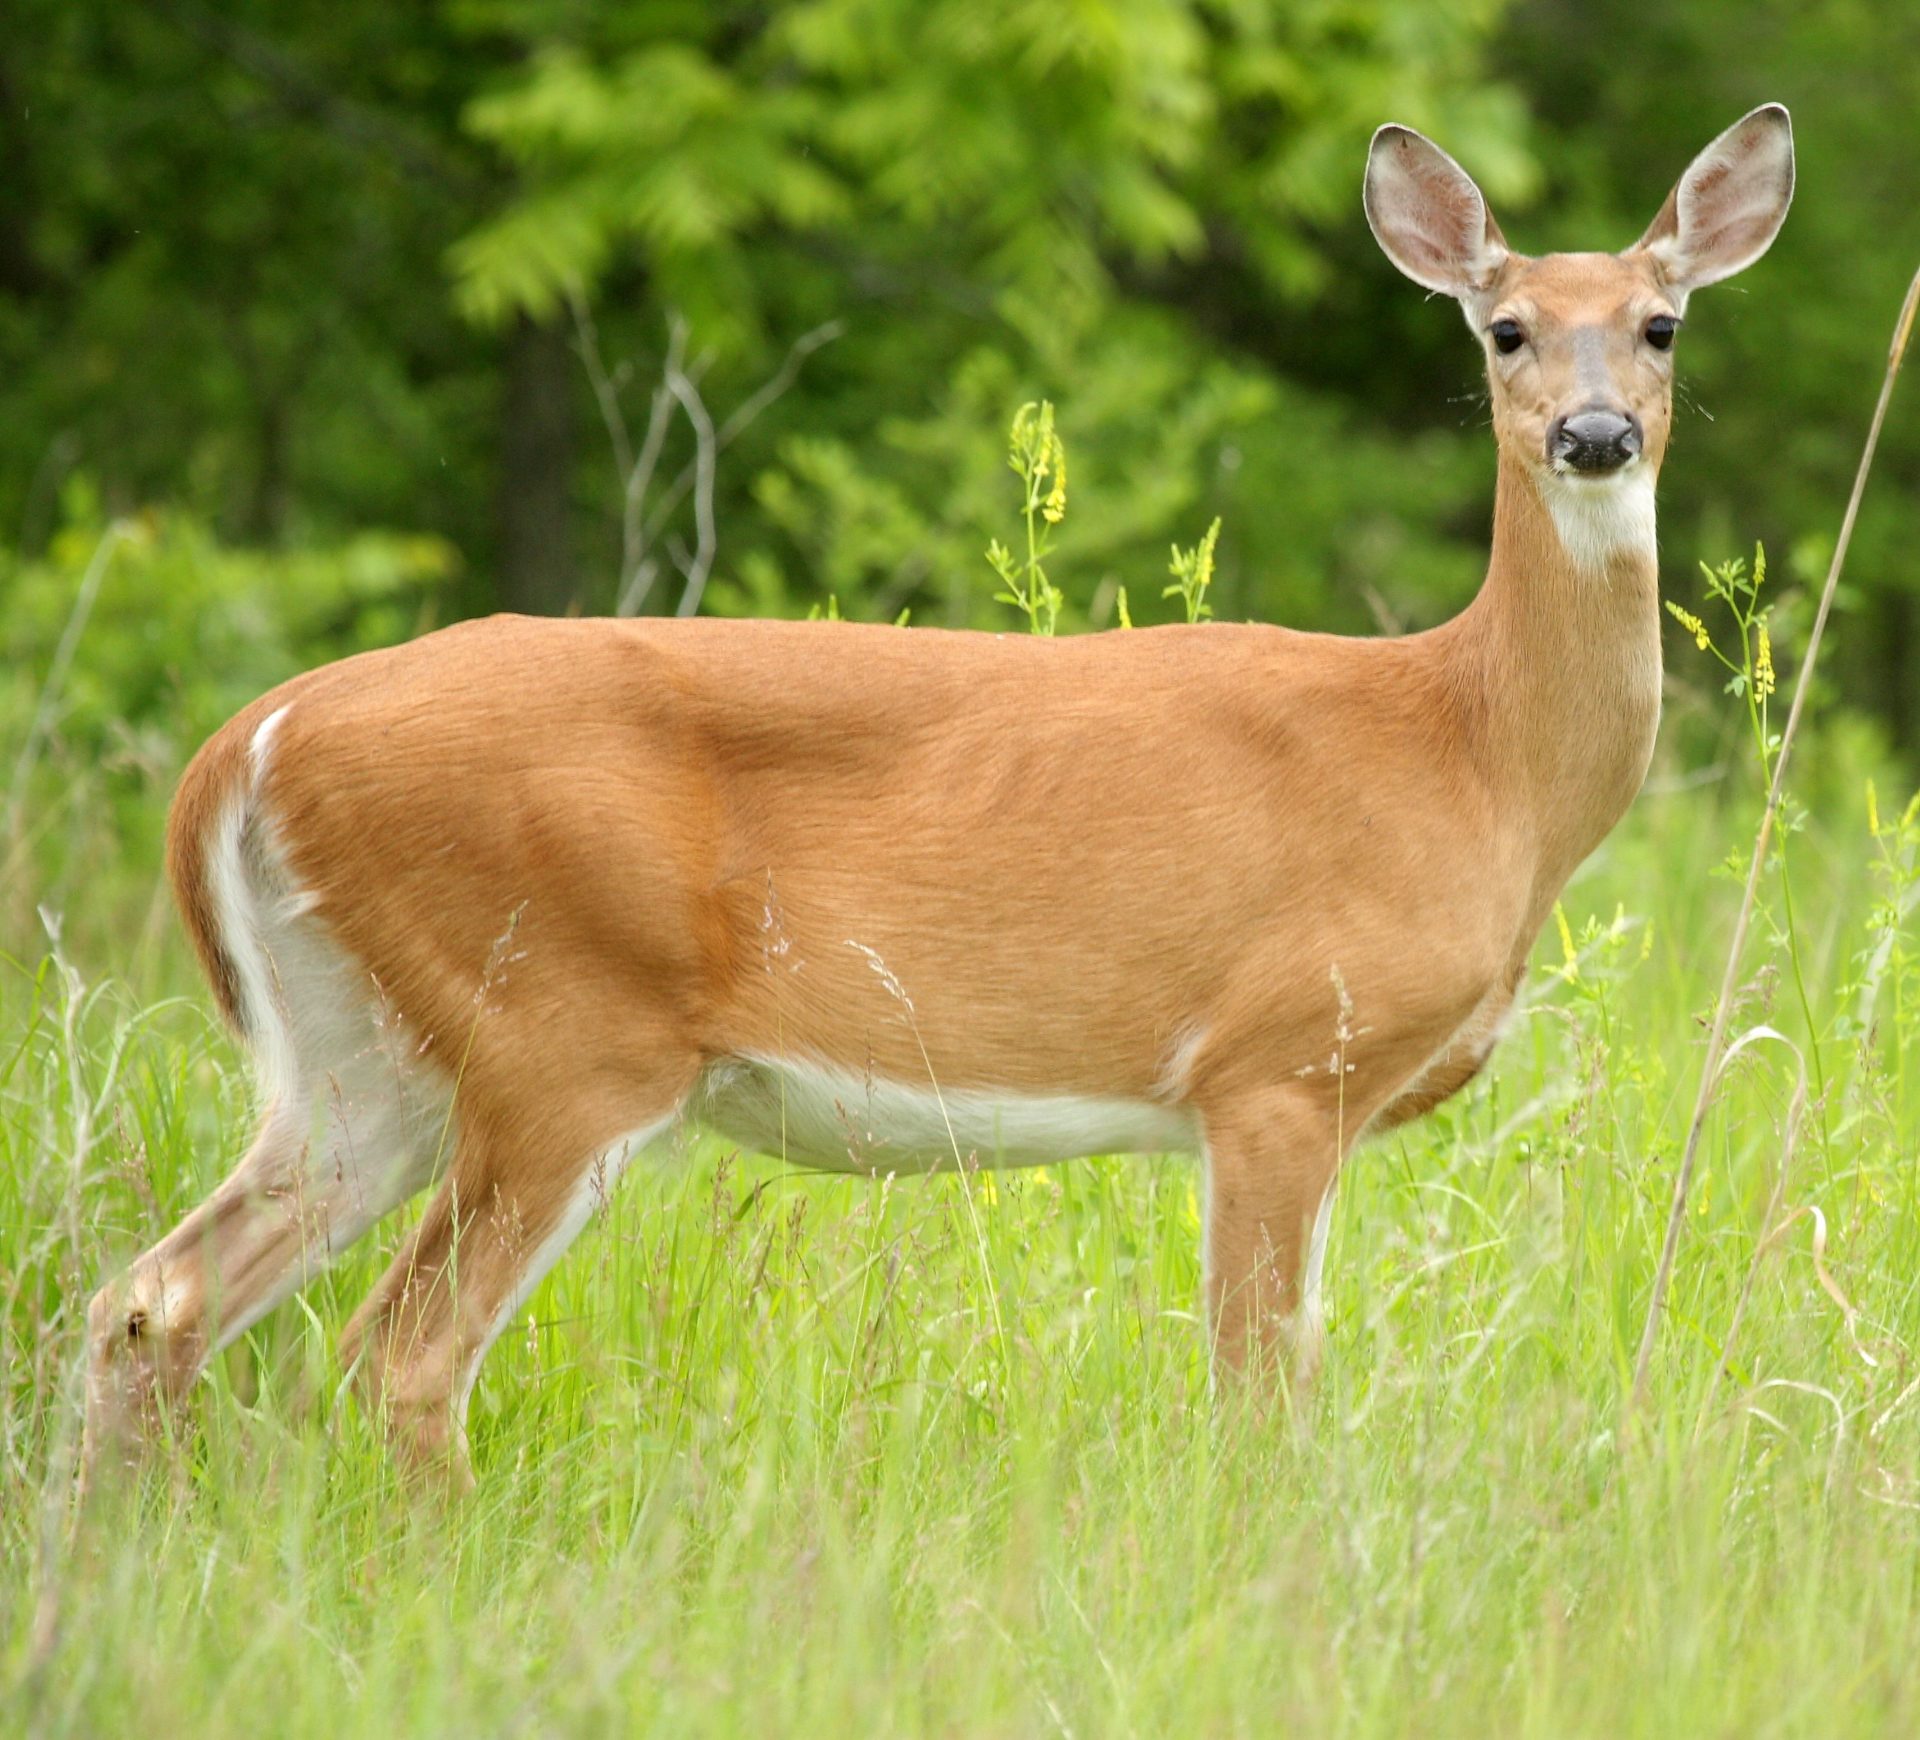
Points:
[(509, 901)]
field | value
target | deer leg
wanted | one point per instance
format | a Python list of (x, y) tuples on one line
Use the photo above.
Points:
[(506, 1213), (313, 1181), (1271, 1162)]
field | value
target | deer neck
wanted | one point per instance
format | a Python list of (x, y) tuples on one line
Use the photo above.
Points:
[(1558, 659)]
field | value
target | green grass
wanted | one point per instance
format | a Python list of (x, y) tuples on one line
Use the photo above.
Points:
[(758, 1462)]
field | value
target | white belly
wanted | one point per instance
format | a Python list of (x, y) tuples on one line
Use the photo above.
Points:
[(830, 1118)]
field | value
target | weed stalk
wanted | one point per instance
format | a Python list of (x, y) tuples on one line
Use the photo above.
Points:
[(1716, 1040)]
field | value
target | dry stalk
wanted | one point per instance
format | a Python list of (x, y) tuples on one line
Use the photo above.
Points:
[(1716, 1041), (642, 518)]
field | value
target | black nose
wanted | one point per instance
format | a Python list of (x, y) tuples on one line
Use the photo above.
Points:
[(1593, 440)]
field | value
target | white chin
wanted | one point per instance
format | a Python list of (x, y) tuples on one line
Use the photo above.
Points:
[(1602, 517)]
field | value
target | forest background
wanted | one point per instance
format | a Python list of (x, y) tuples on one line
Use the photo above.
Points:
[(352, 319)]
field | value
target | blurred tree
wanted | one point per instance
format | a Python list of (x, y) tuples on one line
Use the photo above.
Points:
[(228, 231), (1104, 203), (222, 282), (306, 270)]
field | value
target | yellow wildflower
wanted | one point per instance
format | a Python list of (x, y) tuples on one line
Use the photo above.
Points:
[(1691, 623), (1570, 967), (1054, 509), (1763, 684)]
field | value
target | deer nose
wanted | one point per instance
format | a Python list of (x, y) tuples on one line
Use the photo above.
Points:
[(1595, 440)]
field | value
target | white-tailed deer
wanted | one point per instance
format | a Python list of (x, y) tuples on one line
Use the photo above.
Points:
[(521, 894)]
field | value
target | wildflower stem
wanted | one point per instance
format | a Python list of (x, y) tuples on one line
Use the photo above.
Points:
[(1031, 510), (1758, 655)]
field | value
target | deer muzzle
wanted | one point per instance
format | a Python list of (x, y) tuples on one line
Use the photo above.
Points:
[(1593, 442)]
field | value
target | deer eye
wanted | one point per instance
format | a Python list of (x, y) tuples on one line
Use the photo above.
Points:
[(1507, 336), (1660, 331)]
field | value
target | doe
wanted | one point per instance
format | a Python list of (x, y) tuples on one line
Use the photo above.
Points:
[(495, 908)]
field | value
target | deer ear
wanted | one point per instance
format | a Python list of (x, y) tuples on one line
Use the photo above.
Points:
[(1725, 211), (1428, 217)]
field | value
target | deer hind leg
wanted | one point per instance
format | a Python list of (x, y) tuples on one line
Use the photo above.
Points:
[(351, 1130), (513, 1202), (1271, 1161)]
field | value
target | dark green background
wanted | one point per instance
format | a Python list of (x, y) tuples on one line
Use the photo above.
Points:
[(295, 283)]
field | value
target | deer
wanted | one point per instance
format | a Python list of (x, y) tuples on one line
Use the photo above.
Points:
[(495, 909)]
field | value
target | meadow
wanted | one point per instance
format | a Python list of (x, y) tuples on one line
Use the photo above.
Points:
[(323, 326), (773, 1453)]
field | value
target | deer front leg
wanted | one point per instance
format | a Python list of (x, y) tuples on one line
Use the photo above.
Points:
[(1272, 1156)]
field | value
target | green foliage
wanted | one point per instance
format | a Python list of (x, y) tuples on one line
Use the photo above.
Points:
[(1037, 455), (667, 145), (235, 249), (127, 643), (1042, 142), (221, 287), (187, 630)]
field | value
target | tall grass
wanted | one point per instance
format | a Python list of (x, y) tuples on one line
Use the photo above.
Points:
[(780, 1454), (758, 1461)]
